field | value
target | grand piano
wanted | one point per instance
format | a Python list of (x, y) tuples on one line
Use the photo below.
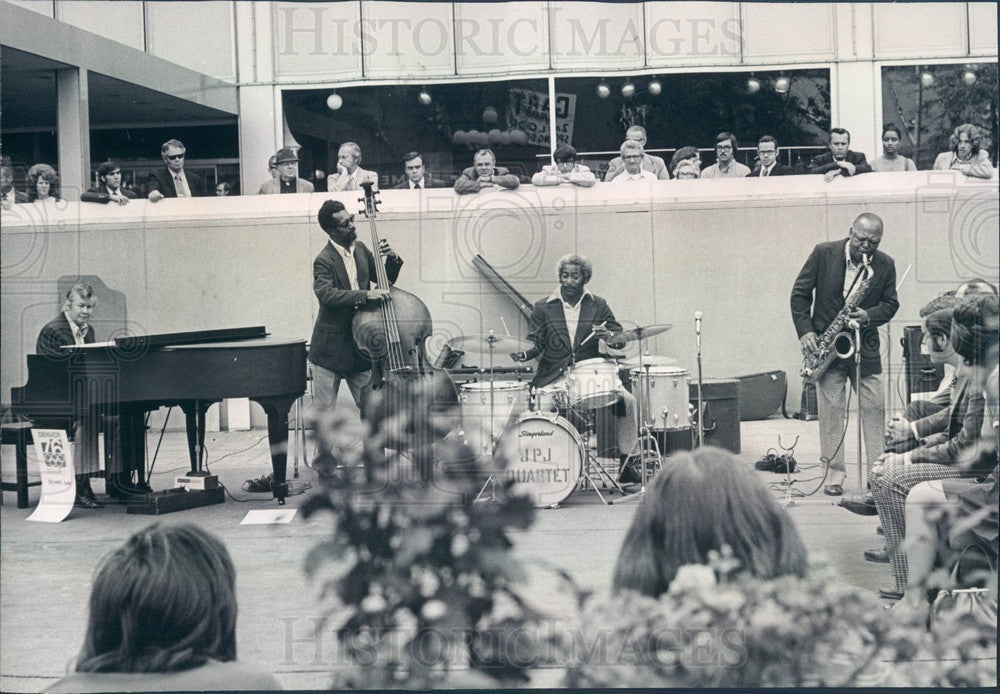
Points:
[(132, 375)]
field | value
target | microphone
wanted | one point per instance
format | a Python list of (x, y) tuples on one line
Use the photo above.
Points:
[(697, 322)]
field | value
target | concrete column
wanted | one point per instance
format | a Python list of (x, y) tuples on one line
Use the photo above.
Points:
[(853, 95), (260, 129), (73, 128)]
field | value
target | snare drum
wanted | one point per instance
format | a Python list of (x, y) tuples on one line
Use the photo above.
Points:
[(593, 383), (547, 461), (551, 398), (668, 403), (510, 399)]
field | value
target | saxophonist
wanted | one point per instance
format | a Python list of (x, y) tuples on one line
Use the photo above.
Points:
[(822, 290)]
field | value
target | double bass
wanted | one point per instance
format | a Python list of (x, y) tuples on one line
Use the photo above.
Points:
[(392, 333)]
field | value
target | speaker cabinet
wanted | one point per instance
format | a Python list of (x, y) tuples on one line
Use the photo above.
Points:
[(921, 375)]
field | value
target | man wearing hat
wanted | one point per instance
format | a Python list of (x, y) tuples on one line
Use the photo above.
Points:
[(564, 170), (287, 180)]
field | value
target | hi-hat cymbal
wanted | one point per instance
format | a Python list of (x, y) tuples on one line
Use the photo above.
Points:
[(650, 360), (646, 331), (484, 344)]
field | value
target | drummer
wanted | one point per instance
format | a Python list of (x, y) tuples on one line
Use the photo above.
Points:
[(574, 311)]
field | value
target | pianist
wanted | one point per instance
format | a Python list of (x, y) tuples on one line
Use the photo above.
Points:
[(71, 327)]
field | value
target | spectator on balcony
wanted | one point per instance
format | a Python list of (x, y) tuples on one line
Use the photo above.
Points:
[(725, 165), (767, 160), (683, 155), (110, 189), (632, 155), (687, 170), (485, 175), (891, 159), (416, 175), (966, 153), (9, 196), (43, 183), (223, 189), (350, 175), (650, 163), (173, 181), (564, 170), (840, 160), (288, 181)]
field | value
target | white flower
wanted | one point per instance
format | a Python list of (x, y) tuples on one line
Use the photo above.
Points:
[(433, 610), (373, 603), (692, 576), (459, 545)]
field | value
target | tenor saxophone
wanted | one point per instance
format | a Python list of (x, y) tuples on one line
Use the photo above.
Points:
[(835, 342)]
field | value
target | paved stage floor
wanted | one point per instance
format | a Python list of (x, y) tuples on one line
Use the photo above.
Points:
[(45, 570)]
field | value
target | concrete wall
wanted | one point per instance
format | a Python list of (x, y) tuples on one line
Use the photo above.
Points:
[(730, 249)]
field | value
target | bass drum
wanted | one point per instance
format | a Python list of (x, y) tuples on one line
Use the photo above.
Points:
[(544, 456)]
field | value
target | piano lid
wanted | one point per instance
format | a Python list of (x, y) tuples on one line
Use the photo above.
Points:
[(141, 343)]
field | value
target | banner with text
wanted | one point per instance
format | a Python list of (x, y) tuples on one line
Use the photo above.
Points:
[(528, 111), (55, 464)]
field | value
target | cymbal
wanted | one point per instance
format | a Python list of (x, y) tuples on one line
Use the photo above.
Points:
[(650, 360), (484, 344), (646, 331)]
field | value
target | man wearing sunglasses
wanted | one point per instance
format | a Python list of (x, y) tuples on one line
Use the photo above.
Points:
[(173, 181)]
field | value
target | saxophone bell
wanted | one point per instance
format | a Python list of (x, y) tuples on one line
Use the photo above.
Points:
[(843, 345)]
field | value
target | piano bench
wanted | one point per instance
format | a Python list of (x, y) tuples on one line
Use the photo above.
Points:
[(18, 434)]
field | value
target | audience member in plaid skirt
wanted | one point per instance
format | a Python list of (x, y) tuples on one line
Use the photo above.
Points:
[(973, 336)]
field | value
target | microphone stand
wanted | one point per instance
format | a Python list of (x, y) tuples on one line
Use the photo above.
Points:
[(857, 387), (701, 407)]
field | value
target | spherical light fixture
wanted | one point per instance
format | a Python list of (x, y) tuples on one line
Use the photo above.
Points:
[(334, 101), (424, 97), (628, 90), (781, 85), (603, 90), (655, 88), (969, 76), (926, 79), (753, 85)]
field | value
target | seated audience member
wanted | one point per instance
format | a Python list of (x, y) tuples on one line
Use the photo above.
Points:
[(485, 175), (272, 166), (966, 154), (173, 181), (650, 163), (699, 502), (350, 175), (223, 189), (725, 165), (72, 327), (891, 159), (163, 618), (767, 160), (632, 155), (685, 154), (564, 170), (840, 160), (687, 170), (43, 183), (110, 189), (9, 195), (287, 181), (416, 176), (949, 434)]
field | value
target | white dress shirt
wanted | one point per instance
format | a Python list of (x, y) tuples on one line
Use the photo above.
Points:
[(78, 332), (571, 313), (352, 267)]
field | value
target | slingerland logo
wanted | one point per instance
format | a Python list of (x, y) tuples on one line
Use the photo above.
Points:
[(533, 434)]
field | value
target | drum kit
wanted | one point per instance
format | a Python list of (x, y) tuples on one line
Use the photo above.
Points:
[(548, 457)]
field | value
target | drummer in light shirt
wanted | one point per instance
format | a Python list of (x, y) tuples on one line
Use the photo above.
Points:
[(573, 311)]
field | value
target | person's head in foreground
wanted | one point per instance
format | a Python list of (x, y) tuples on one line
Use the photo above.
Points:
[(164, 601), (701, 501)]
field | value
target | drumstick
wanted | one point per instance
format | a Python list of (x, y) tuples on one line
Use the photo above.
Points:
[(592, 333), (504, 323)]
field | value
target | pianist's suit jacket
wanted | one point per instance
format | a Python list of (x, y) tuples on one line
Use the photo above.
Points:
[(163, 181), (332, 345), (57, 333), (552, 340)]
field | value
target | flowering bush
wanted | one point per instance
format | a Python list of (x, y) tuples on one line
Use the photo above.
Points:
[(415, 575), (786, 632)]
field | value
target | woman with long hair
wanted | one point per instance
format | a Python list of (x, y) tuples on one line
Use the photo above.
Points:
[(700, 502), (43, 183), (163, 617)]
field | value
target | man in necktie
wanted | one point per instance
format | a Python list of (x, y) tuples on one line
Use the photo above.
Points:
[(767, 160), (350, 175), (173, 181), (416, 175)]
